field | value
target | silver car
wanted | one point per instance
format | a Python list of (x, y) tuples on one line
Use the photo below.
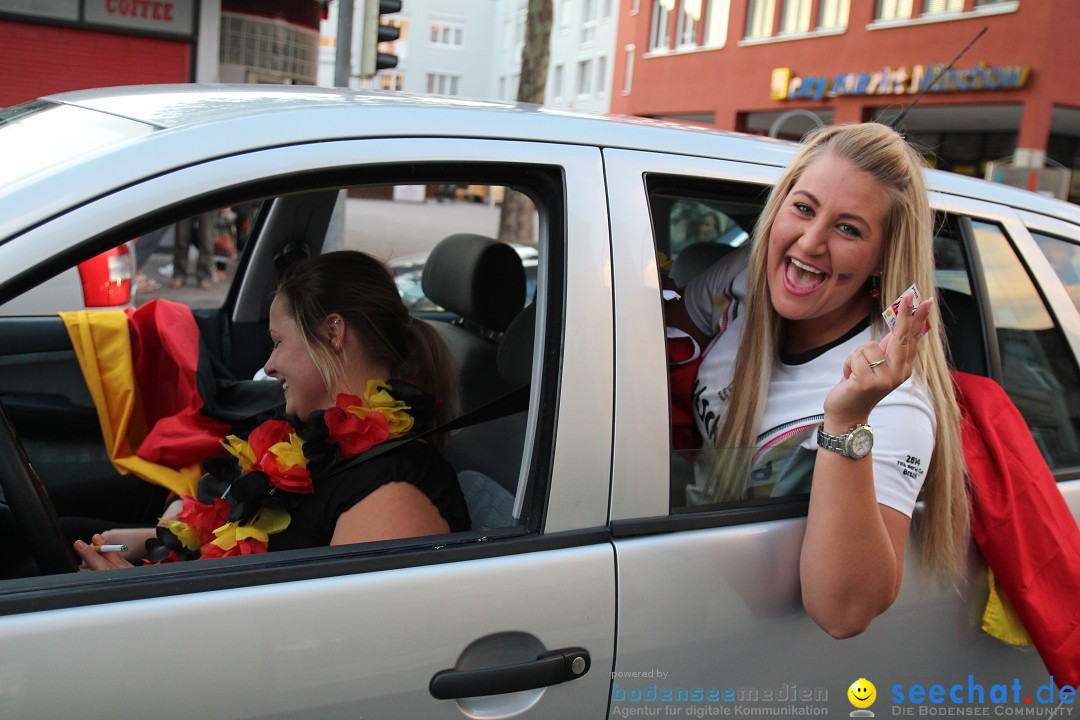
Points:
[(585, 589)]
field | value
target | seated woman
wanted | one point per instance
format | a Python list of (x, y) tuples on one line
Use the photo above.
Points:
[(799, 364), (340, 332)]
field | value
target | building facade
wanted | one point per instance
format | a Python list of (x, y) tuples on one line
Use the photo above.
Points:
[(51, 46), (780, 67), (583, 34), (444, 47), (472, 48)]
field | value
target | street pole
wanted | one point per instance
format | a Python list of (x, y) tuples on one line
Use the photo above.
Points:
[(343, 54)]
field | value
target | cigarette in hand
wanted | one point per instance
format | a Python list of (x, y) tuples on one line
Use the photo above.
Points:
[(109, 548)]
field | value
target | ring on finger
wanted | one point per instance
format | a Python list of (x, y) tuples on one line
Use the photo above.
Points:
[(877, 362)]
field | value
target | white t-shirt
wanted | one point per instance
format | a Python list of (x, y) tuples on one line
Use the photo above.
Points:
[(904, 422)]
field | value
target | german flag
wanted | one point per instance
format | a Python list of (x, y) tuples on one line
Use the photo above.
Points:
[(1024, 529), (164, 404)]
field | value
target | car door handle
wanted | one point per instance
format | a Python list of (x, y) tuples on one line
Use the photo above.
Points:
[(550, 668)]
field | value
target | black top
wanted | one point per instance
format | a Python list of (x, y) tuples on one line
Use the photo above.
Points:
[(417, 463)]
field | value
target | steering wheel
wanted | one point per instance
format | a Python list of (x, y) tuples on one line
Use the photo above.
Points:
[(31, 506)]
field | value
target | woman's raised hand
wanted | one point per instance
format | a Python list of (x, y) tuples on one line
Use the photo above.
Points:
[(877, 368)]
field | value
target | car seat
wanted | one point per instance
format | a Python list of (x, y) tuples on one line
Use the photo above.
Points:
[(483, 282), (488, 456), (695, 259)]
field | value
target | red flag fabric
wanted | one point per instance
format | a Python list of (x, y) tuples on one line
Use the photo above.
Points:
[(1022, 524), (165, 355), (684, 356)]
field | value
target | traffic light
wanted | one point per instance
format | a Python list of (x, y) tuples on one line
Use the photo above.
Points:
[(371, 60)]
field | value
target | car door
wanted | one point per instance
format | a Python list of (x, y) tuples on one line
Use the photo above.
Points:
[(355, 631), (710, 614)]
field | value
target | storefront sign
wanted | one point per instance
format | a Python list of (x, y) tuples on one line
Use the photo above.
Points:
[(786, 85), (172, 17), (176, 17)]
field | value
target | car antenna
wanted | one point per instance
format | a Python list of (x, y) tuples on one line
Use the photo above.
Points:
[(940, 74)]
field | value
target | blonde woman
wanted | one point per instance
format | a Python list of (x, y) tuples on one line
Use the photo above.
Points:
[(803, 388)]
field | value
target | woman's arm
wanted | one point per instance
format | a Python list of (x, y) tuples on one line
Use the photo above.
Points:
[(134, 538), (395, 510), (852, 561)]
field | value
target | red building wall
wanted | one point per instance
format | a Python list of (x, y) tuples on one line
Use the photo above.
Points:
[(736, 79), (39, 59)]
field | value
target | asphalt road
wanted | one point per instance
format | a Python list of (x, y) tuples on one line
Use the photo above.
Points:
[(384, 228)]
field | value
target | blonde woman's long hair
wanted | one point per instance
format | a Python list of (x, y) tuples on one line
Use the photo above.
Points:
[(908, 257)]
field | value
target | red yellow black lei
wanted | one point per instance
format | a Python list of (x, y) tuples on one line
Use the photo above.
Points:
[(245, 496)]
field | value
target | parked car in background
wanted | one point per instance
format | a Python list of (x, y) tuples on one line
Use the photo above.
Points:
[(583, 590), (409, 273)]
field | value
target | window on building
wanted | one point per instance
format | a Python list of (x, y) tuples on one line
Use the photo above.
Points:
[(939, 7), (564, 15), (628, 77), (759, 18), (443, 84), (588, 21), (557, 82), (272, 47), (661, 20), (893, 10), (601, 75), (607, 9), (689, 18), (447, 34), (795, 16), (716, 23), (834, 14), (584, 77), (981, 3)]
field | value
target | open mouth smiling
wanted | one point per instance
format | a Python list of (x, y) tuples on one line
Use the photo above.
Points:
[(802, 278)]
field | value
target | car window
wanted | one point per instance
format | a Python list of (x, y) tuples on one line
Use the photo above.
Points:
[(1064, 256), (477, 303), (678, 209), (695, 221), (1038, 369), (695, 224)]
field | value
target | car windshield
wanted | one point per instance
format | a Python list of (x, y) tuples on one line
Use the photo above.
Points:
[(38, 135)]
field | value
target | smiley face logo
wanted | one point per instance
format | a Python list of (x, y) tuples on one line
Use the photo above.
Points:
[(862, 693)]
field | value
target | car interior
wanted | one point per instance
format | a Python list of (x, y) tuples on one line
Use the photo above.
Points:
[(1017, 341), (478, 282), (484, 300)]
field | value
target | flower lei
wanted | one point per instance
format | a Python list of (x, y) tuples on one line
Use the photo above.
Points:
[(244, 499)]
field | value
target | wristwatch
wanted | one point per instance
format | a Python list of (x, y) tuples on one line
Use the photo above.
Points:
[(855, 444)]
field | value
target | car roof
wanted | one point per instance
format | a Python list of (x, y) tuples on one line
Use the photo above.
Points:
[(198, 122), (185, 107)]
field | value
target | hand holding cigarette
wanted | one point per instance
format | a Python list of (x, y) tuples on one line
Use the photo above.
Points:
[(100, 555)]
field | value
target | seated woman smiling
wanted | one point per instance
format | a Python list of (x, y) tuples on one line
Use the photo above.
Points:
[(342, 341)]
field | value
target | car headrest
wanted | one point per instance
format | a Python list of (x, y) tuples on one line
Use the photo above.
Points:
[(695, 259), (515, 354), (478, 278)]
